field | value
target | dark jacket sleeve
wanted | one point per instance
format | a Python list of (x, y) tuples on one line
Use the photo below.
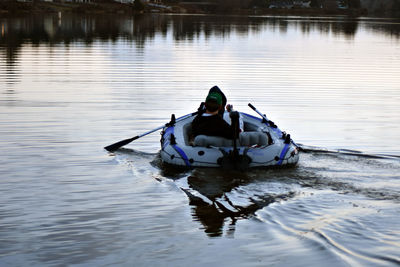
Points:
[(195, 126)]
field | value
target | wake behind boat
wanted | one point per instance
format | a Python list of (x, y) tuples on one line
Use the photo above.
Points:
[(261, 144)]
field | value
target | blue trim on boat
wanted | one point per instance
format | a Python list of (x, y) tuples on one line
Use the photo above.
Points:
[(283, 153), (182, 154), (167, 134), (170, 130), (167, 141)]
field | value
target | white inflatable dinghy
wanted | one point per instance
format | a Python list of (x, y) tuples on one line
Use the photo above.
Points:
[(261, 144)]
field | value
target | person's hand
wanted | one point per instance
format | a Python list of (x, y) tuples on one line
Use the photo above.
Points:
[(229, 107), (201, 107)]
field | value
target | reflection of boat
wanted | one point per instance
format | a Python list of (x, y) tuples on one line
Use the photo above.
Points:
[(218, 199), (261, 144)]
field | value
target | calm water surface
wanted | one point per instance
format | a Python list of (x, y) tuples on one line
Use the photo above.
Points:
[(70, 85)]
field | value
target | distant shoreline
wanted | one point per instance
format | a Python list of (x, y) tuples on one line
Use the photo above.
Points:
[(13, 8)]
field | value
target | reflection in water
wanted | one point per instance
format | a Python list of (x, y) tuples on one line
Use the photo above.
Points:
[(324, 205), (218, 198), (53, 29), (215, 206)]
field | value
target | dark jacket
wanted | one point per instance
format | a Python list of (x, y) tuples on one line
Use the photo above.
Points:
[(213, 125)]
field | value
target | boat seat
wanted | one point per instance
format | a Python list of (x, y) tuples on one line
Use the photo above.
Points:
[(205, 140), (253, 138), (245, 139)]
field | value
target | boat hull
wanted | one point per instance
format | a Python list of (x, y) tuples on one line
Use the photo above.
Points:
[(177, 150)]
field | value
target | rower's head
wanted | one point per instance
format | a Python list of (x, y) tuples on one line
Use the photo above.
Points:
[(213, 102)]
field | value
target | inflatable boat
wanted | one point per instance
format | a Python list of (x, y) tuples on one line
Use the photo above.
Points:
[(260, 144)]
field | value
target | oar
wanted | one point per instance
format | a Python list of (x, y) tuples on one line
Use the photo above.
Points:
[(234, 115), (122, 143), (271, 123)]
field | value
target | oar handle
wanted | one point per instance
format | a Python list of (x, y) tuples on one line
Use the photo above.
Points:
[(272, 124), (259, 113), (265, 119), (252, 107)]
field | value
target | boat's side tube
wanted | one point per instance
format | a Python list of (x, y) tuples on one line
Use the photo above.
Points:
[(182, 154), (283, 154)]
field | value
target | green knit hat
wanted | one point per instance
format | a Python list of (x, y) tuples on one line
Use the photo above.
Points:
[(214, 97)]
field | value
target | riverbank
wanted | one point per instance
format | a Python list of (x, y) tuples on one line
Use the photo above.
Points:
[(12, 7)]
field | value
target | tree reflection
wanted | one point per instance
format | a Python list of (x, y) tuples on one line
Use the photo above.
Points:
[(54, 29)]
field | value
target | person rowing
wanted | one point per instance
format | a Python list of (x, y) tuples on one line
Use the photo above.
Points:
[(210, 122), (224, 110)]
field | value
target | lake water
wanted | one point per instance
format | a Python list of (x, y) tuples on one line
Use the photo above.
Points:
[(70, 85)]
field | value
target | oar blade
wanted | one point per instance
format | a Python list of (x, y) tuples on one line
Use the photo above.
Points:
[(119, 144)]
